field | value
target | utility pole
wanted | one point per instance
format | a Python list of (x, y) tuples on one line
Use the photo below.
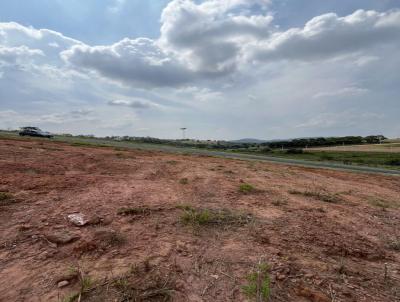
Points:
[(183, 132)]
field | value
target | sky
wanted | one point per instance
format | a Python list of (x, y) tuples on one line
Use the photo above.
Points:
[(225, 69)]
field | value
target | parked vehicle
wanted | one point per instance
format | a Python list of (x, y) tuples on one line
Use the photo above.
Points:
[(34, 131)]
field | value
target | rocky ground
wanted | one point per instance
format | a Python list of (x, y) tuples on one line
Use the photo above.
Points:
[(150, 226)]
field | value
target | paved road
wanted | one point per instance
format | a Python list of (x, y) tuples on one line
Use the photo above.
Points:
[(263, 158)]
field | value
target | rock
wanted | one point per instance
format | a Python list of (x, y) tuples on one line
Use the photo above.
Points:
[(280, 277), (62, 283), (62, 237), (78, 219)]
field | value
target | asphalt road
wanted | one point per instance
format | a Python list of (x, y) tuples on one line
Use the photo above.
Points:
[(242, 156)]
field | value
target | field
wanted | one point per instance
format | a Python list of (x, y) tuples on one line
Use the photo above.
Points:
[(179, 227), (389, 160), (387, 147)]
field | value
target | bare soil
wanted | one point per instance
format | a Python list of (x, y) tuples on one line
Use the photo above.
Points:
[(325, 235)]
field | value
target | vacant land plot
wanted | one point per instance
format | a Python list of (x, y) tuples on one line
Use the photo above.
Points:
[(100, 224)]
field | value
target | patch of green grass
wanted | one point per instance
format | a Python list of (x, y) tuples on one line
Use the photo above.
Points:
[(319, 194), (217, 217), (246, 188), (374, 159), (258, 285)]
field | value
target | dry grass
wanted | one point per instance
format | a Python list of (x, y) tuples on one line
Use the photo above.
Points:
[(213, 217), (319, 194)]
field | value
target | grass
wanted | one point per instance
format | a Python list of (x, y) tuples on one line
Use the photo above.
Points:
[(374, 159), (382, 203), (85, 284), (216, 217), (319, 194), (258, 287), (141, 283), (246, 188)]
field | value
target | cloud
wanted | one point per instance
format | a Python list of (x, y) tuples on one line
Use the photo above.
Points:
[(197, 41), (329, 35), (133, 103), (209, 36), (13, 55), (344, 92), (345, 119), (138, 61)]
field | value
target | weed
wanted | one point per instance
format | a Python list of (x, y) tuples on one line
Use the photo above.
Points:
[(172, 162), (85, 283), (184, 181), (217, 217), (258, 283), (246, 188), (319, 194)]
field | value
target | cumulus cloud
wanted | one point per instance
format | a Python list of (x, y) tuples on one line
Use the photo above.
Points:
[(329, 35), (13, 55), (209, 36), (138, 61), (14, 34)]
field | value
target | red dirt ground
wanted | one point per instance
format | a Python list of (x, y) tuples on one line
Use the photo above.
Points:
[(316, 251)]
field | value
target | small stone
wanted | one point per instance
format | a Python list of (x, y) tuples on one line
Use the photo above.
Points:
[(78, 219), (62, 237), (62, 283), (280, 277)]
